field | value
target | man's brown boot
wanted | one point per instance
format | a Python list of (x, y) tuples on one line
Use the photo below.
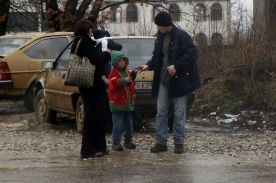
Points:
[(178, 149), (129, 144)]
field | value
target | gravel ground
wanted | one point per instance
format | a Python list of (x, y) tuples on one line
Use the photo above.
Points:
[(19, 133), (236, 144)]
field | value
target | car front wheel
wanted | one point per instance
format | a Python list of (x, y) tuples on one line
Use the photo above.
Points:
[(79, 115), (42, 112)]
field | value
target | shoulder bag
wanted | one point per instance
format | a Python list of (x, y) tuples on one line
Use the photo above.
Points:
[(80, 71)]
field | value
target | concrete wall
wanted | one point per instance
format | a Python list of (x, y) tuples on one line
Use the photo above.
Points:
[(265, 17), (265, 23)]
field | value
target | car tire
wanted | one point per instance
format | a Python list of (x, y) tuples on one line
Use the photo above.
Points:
[(29, 99), (137, 121), (79, 115), (42, 112)]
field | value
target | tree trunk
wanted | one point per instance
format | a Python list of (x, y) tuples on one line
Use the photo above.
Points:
[(68, 16), (71, 6), (53, 14), (273, 19), (95, 10), (4, 14), (82, 9)]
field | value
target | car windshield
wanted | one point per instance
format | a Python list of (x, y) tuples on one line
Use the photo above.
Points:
[(7, 45), (138, 50)]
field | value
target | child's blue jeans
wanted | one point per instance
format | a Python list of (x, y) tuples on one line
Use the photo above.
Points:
[(122, 122)]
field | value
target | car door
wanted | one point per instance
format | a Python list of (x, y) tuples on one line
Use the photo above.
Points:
[(59, 96)]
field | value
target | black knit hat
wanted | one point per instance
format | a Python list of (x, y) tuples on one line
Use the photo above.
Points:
[(163, 19)]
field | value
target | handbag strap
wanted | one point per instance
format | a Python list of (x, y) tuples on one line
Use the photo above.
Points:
[(77, 47)]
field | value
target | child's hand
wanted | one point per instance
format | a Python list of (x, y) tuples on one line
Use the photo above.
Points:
[(133, 74), (128, 79)]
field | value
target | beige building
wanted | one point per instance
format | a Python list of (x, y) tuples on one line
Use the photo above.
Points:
[(208, 21)]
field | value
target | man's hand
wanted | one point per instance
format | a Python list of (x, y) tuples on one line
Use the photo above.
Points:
[(171, 70), (141, 68)]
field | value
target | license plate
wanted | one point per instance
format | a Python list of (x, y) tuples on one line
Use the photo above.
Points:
[(143, 85)]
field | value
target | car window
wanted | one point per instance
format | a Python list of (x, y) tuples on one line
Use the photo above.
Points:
[(62, 61), (7, 45), (47, 48), (138, 50)]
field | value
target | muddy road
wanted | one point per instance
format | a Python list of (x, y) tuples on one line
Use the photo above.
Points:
[(33, 152)]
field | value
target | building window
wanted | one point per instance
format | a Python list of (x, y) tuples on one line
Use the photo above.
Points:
[(201, 40), (116, 14), (174, 11), (217, 39), (216, 12), (200, 13), (132, 13), (156, 9)]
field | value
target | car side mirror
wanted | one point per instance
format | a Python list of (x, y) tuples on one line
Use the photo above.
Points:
[(47, 64)]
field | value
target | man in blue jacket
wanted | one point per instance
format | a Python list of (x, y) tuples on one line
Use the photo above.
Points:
[(175, 77)]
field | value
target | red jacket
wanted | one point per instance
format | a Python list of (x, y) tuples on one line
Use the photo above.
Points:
[(120, 93)]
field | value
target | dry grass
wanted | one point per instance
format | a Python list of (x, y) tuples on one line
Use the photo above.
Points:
[(242, 76)]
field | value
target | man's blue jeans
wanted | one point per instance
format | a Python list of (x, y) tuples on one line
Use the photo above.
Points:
[(163, 102), (122, 122)]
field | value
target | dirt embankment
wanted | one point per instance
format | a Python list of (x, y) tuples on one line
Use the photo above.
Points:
[(225, 101)]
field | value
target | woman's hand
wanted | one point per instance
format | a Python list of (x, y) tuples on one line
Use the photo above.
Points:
[(108, 50), (104, 78)]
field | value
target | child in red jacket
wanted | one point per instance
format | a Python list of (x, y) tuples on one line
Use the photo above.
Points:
[(121, 91)]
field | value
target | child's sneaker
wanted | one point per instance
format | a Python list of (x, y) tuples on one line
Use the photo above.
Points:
[(117, 147)]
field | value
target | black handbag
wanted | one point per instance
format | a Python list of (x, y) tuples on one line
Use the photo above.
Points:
[(80, 71)]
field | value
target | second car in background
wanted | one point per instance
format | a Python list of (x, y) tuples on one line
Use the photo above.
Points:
[(21, 56)]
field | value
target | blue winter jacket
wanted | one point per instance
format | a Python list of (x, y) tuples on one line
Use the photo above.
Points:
[(183, 55)]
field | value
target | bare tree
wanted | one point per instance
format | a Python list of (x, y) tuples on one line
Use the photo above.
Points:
[(67, 18), (4, 14), (53, 15), (61, 18)]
